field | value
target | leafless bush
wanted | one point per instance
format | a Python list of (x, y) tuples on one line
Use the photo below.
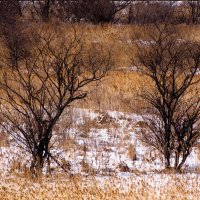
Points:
[(9, 11), (132, 152), (145, 12), (36, 91), (43, 8), (95, 11), (173, 111), (194, 11), (13, 30)]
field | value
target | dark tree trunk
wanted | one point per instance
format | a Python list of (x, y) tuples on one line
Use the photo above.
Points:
[(177, 156), (167, 153), (37, 165), (167, 158), (41, 154), (185, 155), (46, 11)]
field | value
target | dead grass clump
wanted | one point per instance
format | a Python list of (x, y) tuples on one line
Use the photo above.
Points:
[(66, 164), (17, 167), (66, 143), (123, 167), (104, 118), (132, 152), (86, 168), (4, 140), (141, 124)]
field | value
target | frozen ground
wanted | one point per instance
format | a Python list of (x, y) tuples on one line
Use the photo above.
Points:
[(92, 142), (106, 160)]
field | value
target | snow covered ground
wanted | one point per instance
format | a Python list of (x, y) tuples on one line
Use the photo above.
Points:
[(92, 142), (106, 160)]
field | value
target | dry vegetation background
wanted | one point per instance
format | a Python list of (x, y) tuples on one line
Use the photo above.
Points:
[(114, 188), (118, 91), (89, 136)]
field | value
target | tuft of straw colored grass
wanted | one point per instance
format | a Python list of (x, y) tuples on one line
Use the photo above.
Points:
[(144, 187)]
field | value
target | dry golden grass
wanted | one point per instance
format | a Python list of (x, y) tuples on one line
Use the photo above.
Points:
[(119, 91), (132, 152), (4, 140), (79, 188)]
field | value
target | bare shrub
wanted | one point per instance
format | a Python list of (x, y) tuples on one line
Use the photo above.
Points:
[(43, 9), (144, 12), (9, 11), (173, 111), (39, 88), (96, 11), (194, 11)]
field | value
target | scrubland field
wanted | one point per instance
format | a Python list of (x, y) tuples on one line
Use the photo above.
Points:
[(95, 148), (105, 159), (98, 142)]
